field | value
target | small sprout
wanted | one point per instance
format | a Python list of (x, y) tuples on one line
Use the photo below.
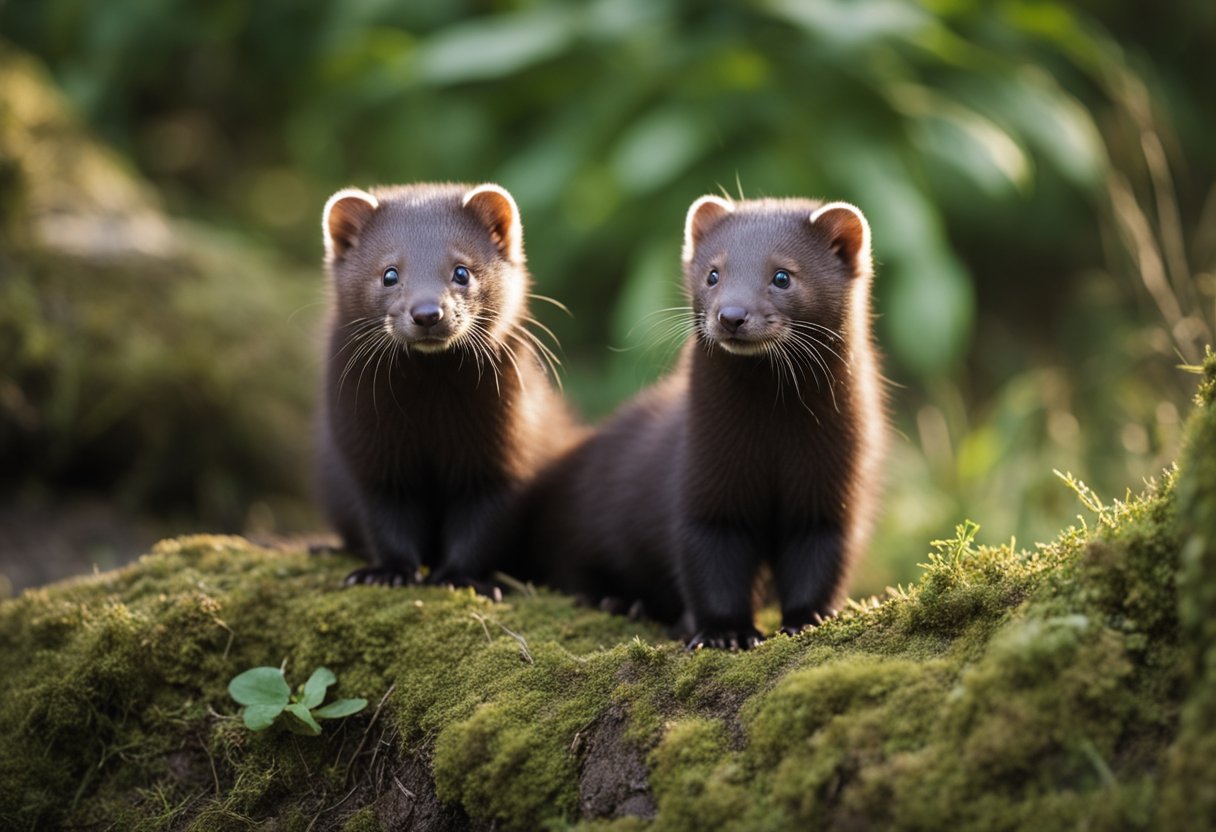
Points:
[(265, 694)]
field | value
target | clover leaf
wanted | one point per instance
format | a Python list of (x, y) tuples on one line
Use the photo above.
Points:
[(265, 694), (340, 708), (314, 688), (301, 713)]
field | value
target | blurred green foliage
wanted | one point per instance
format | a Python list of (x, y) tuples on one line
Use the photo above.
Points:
[(151, 360), (1038, 176)]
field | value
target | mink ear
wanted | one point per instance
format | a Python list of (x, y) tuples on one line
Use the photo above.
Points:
[(496, 210), (345, 215), (848, 234), (703, 215)]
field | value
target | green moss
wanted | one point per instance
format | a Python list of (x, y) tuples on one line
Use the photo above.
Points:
[(363, 820), (1190, 791), (1070, 686), (695, 789), (137, 657), (510, 759)]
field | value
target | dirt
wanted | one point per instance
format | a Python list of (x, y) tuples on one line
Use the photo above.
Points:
[(614, 781)]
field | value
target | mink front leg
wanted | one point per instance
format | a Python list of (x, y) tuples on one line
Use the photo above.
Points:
[(394, 534), (342, 499), (717, 564), (474, 529), (810, 566)]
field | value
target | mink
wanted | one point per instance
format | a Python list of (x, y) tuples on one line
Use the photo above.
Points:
[(438, 404), (758, 452)]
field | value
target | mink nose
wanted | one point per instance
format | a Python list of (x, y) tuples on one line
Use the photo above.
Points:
[(732, 317), (426, 314)]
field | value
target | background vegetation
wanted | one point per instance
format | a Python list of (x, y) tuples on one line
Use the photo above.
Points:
[(1039, 176)]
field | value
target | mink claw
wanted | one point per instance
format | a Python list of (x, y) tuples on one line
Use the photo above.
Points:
[(733, 640), (487, 589), (380, 576)]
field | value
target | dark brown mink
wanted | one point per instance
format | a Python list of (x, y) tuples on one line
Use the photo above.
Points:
[(760, 449), (437, 404)]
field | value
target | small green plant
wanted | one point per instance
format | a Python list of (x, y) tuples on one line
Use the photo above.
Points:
[(265, 694)]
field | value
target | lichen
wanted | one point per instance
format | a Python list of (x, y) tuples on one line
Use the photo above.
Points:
[(1067, 686)]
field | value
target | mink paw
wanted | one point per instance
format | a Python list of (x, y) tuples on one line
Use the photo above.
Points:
[(732, 640), (633, 610), (814, 621), (484, 588), (792, 630), (382, 576), (612, 604)]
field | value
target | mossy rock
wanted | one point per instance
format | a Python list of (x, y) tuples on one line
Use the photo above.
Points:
[(168, 365), (1061, 688)]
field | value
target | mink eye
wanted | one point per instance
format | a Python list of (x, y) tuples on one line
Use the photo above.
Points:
[(713, 277), (390, 276), (781, 279), (461, 275)]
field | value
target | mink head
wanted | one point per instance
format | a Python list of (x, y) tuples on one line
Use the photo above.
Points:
[(436, 267), (775, 273)]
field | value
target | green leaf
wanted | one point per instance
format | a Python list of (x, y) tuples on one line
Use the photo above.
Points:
[(260, 717), (976, 147), (314, 688), (494, 46), (657, 148), (301, 713), (260, 686), (848, 26), (340, 708), (930, 304)]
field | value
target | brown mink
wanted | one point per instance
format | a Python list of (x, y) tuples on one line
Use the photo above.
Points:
[(436, 403), (760, 448)]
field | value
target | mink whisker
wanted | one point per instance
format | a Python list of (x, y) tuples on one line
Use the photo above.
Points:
[(547, 299), (831, 333), (542, 353), (792, 365), (807, 345), (364, 342), (509, 351)]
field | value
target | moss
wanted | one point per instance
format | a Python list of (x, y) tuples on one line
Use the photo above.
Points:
[(137, 657), (510, 758), (1069, 686), (696, 790), (1190, 791), (363, 820)]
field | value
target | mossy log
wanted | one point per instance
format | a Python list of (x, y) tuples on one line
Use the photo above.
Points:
[(1066, 687)]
